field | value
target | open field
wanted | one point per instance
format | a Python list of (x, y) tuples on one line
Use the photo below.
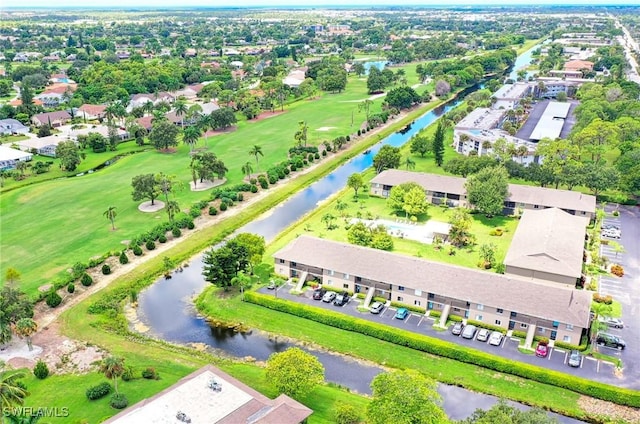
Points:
[(70, 225)]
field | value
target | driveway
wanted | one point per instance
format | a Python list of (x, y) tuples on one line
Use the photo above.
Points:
[(590, 368)]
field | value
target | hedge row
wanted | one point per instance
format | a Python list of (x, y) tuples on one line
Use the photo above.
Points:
[(450, 350)]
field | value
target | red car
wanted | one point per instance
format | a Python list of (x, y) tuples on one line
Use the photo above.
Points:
[(542, 350)]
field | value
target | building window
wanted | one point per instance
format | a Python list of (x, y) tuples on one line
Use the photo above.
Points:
[(400, 299), (418, 292), (540, 330), (346, 276), (536, 206), (513, 314), (400, 288), (345, 286), (523, 325), (498, 322), (499, 310), (281, 261), (569, 327), (416, 302), (330, 272), (294, 264), (555, 324), (431, 296), (480, 307), (478, 317), (566, 339), (358, 279)]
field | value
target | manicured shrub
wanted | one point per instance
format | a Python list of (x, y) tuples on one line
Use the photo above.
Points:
[(254, 188), (213, 210), (310, 157), (501, 268), (359, 132), (305, 162), (128, 374), (599, 298), (447, 349), (41, 370), (240, 197), (53, 299), (176, 232), (150, 245), (194, 213), (316, 155), (71, 288), (106, 269), (119, 401), (346, 413), (348, 138), (86, 280), (137, 250), (150, 374), (293, 167), (273, 179), (253, 181), (223, 206), (99, 391), (617, 270), (264, 184), (324, 153), (162, 239), (191, 225), (123, 258)]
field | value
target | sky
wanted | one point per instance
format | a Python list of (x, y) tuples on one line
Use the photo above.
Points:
[(249, 3)]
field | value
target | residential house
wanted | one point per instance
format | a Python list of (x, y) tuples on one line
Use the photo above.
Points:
[(578, 65), (190, 91), (9, 157), (45, 146), (552, 86), (139, 100), (209, 395), (508, 301), (56, 94), (295, 78), (90, 112), (548, 245), (451, 191), (53, 119), (12, 127)]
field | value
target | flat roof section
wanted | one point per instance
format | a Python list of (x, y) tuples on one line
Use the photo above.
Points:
[(512, 91), (7, 153), (557, 110), (482, 118), (547, 128)]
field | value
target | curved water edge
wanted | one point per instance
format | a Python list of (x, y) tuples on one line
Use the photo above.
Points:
[(179, 322)]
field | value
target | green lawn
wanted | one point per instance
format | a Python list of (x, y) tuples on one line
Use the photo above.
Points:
[(70, 225)]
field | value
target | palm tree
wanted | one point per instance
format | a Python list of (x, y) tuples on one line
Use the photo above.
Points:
[(256, 151), (191, 135), (148, 107), (409, 163), (110, 214), (247, 169), (328, 218), (21, 419), (522, 151), (241, 280), (11, 394), (181, 109), (112, 368), (204, 123), (341, 206), (26, 327), (172, 209)]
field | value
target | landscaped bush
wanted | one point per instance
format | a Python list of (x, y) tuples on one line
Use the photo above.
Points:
[(273, 179), (150, 374), (481, 324), (176, 232), (223, 206), (71, 288), (99, 391), (78, 269), (162, 239), (316, 156), (137, 250), (213, 210), (263, 183), (53, 299), (194, 213), (119, 401), (106, 269), (496, 232), (41, 370), (239, 197), (435, 314), (501, 268), (191, 225), (150, 245), (617, 270), (412, 308), (128, 374), (447, 349), (123, 258), (254, 188), (86, 280), (253, 181), (324, 153), (598, 298)]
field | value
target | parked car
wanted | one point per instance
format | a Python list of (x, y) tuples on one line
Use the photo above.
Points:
[(542, 350), (612, 233), (469, 332), (402, 313), (612, 322), (483, 335), (272, 285), (574, 358), (341, 299), (495, 339), (329, 297), (318, 294), (376, 307), (610, 227), (609, 340), (456, 330)]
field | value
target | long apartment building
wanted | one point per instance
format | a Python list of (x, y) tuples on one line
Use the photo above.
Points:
[(509, 301), (451, 191)]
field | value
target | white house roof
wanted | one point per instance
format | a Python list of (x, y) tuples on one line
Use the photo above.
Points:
[(551, 122), (9, 154), (482, 118)]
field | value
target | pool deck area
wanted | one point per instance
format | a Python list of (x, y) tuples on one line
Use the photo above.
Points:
[(405, 228)]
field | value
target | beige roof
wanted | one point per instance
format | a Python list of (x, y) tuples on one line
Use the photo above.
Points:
[(545, 197), (547, 301), (548, 240), (236, 403)]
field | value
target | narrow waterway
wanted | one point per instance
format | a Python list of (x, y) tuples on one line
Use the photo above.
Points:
[(177, 321)]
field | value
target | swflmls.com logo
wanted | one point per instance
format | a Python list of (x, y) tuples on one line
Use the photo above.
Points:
[(31, 411)]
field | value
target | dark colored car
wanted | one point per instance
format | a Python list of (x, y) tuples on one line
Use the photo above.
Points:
[(318, 294), (574, 359), (542, 350), (609, 340), (457, 328), (341, 299)]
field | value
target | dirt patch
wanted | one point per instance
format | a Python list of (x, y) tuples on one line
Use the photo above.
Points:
[(212, 133), (147, 207), (206, 185), (325, 128), (596, 408)]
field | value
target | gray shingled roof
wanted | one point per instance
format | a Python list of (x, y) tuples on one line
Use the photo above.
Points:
[(564, 199), (548, 240), (547, 301)]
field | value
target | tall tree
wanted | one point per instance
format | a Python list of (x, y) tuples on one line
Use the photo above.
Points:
[(366, 106), (256, 151), (190, 136), (405, 397), (438, 144), (255, 246), (26, 327), (111, 214), (181, 108), (301, 135), (11, 392), (459, 234), (172, 209), (224, 263), (247, 169), (420, 145), (294, 372), (113, 367), (356, 182), (69, 155), (409, 163), (145, 187), (600, 177), (398, 194), (163, 134), (488, 189), (386, 158), (415, 202)]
